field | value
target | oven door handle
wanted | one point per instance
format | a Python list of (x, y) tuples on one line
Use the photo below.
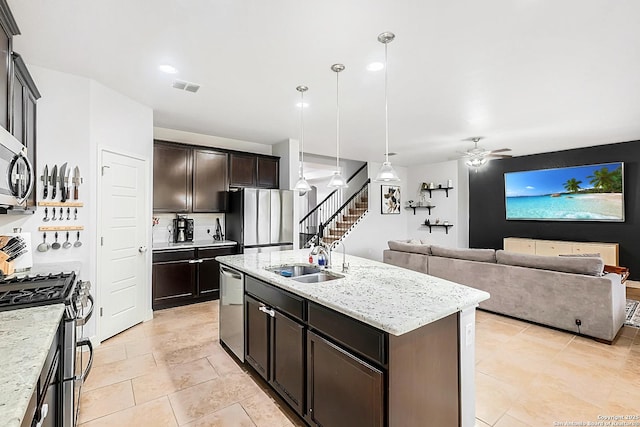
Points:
[(82, 320), (82, 343)]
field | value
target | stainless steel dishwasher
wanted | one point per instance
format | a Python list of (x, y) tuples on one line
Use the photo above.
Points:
[(232, 310)]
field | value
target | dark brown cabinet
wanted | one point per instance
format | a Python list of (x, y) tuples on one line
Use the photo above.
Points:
[(186, 276), (275, 342), (210, 184), (251, 170), (8, 29), (171, 178), (187, 179), (343, 390)]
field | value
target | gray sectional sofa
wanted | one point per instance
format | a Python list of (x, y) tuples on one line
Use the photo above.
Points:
[(550, 290)]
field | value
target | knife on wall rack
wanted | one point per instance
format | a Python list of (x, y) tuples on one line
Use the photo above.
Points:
[(54, 181), (45, 182)]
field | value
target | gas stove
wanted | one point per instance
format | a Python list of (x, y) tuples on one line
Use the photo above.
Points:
[(32, 291)]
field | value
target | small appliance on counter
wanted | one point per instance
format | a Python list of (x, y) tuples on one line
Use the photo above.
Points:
[(182, 229)]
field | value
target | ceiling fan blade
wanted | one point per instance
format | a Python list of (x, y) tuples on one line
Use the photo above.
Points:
[(501, 150), (502, 156)]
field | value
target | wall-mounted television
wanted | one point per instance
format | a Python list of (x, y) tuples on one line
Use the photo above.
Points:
[(576, 193)]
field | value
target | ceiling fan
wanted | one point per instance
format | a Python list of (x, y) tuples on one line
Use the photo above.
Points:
[(478, 156)]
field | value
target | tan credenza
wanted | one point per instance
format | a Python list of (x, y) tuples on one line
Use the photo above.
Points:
[(608, 251)]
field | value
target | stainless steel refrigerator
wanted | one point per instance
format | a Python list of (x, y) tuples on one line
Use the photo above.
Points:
[(260, 220)]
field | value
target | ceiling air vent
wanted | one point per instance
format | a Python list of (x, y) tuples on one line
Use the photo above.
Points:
[(188, 86)]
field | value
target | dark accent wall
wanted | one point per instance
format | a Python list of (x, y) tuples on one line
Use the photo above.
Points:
[(488, 226)]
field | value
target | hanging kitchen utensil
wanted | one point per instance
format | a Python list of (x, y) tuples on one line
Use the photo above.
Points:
[(67, 243), (77, 180), (75, 214), (16, 255), (68, 214), (61, 214), (56, 245), (54, 210), (44, 246), (46, 215), (78, 243), (54, 182), (45, 181)]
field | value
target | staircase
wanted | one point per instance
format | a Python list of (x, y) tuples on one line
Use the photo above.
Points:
[(332, 220)]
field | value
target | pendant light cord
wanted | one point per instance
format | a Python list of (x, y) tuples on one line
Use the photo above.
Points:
[(386, 105), (302, 134), (337, 122)]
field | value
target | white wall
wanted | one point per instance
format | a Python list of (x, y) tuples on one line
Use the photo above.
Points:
[(370, 237), (289, 153), (452, 208), (75, 116)]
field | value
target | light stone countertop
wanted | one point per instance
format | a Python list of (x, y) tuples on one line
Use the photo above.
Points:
[(26, 336), (390, 298), (163, 246)]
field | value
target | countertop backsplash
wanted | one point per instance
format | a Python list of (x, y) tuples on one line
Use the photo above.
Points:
[(163, 231)]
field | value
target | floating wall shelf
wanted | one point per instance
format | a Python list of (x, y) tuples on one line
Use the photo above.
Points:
[(61, 228), (446, 226), (70, 204), (420, 207), (446, 189)]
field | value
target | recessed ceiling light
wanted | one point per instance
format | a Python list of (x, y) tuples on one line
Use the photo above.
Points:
[(375, 66), (300, 104), (169, 69)]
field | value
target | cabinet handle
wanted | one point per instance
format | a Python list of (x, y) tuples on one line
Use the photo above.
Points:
[(271, 312), (193, 261)]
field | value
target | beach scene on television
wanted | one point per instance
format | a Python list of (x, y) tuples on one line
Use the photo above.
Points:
[(578, 193)]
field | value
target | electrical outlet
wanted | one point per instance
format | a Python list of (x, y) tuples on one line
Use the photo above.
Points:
[(469, 334)]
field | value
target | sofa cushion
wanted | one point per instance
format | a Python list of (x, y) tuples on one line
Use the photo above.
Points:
[(413, 246), (591, 266), (482, 255)]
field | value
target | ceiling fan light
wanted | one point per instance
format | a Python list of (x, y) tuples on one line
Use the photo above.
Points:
[(337, 181), (387, 173), (476, 162)]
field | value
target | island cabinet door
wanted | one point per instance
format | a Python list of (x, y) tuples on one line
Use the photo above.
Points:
[(257, 336), (287, 360), (342, 390)]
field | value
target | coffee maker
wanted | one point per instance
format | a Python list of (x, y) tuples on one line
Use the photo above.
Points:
[(182, 229)]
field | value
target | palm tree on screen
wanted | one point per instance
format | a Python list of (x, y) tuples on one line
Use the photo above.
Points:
[(602, 179), (572, 185)]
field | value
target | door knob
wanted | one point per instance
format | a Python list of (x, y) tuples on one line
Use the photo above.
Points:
[(142, 249)]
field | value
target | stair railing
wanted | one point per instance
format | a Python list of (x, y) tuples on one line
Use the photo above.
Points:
[(345, 209), (310, 224)]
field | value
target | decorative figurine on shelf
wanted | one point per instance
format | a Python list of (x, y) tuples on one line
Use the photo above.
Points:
[(439, 185), (424, 186), (427, 222), (410, 203), (437, 221), (432, 185), (449, 183), (445, 223)]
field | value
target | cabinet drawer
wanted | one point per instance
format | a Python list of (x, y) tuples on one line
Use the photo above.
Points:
[(282, 300), (174, 255), (364, 339), (214, 252)]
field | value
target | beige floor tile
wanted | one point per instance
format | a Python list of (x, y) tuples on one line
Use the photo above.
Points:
[(593, 357), (498, 330), (493, 398), (202, 399), (223, 363), (184, 355), (509, 421), (264, 411), (629, 332), (105, 400), (511, 321), (547, 336), (166, 379), (116, 372), (156, 413), (624, 399), (480, 423), (131, 334), (483, 316), (109, 354), (231, 416)]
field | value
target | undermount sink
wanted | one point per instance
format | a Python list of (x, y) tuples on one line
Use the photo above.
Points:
[(305, 273), (323, 276), (295, 270)]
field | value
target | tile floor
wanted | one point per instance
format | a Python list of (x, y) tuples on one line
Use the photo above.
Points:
[(171, 371)]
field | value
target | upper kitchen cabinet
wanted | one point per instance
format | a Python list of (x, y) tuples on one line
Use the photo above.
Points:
[(250, 170), (9, 28), (171, 178), (189, 179), (210, 183), (23, 112)]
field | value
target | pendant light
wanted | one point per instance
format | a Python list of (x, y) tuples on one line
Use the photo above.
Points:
[(386, 173), (337, 181), (302, 185)]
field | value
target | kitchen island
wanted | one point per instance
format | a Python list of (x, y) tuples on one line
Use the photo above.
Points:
[(380, 346)]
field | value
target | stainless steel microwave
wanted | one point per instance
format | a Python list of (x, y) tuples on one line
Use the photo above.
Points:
[(17, 177)]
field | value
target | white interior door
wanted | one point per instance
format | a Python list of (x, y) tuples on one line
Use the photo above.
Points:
[(122, 274)]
